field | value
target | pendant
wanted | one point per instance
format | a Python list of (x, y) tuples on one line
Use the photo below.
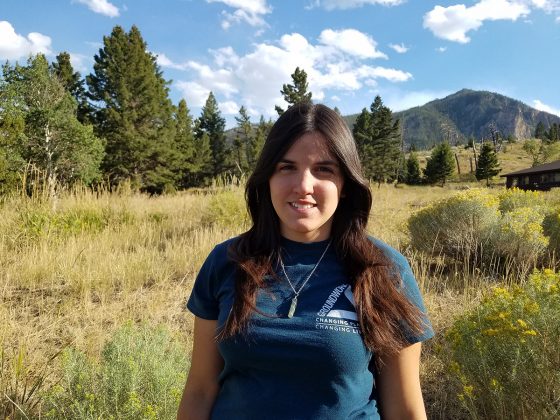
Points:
[(292, 307)]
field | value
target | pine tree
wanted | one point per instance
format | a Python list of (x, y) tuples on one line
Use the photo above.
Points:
[(553, 133), (440, 165), (488, 165), (379, 142), (296, 92), (184, 145), (213, 124), (53, 139), (413, 175), (540, 131), (243, 141), (135, 115), (73, 83), (12, 125), (257, 143)]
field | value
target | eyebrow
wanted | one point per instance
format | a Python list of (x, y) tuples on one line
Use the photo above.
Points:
[(322, 162)]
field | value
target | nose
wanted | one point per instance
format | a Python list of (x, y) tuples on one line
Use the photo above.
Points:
[(304, 183)]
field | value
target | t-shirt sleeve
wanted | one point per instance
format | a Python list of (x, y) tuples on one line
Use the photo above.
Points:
[(412, 292), (203, 301)]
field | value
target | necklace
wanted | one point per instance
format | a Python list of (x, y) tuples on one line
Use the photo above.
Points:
[(293, 305)]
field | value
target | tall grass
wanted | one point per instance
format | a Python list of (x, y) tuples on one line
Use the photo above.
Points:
[(72, 274)]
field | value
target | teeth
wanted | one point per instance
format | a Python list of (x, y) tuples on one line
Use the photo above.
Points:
[(301, 206)]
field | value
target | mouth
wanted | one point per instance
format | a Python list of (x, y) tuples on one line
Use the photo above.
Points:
[(302, 206)]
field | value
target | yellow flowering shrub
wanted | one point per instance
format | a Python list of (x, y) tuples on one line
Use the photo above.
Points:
[(457, 226), (521, 235), (551, 225), (513, 198), (504, 353)]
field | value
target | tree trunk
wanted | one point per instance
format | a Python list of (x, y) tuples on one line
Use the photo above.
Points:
[(458, 167)]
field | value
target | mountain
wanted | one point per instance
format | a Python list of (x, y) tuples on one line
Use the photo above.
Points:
[(468, 114)]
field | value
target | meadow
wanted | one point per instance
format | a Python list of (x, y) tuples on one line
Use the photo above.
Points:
[(93, 290)]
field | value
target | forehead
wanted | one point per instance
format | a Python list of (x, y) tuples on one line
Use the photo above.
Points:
[(312, 146)]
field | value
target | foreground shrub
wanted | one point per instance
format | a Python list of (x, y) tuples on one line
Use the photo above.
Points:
[(140, 376), (456, 227), (504, 355), (521, 236), (514, 198), (551, 226)]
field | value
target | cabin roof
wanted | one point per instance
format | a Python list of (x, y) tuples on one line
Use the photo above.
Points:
[(547, 167)]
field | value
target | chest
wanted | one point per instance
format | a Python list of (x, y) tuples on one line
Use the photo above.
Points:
[(322, 337)]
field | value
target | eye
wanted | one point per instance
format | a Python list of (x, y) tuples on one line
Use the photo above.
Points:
[(285, 167), (325, 169)]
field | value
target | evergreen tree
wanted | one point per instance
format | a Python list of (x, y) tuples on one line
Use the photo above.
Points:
[(553, 133), (184, 145), (53, 139), (203, 167), (296, 92), (488, 165), (379, 142), (440, 164), (134, 114), (413, 175), (261, 133), (12, 125), (540, 131), (213, 124), (243, 141), (73, 83)]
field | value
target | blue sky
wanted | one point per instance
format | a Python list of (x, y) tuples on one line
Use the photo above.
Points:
[(407, 51)]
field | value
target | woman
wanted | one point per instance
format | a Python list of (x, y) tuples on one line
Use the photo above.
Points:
[(304, 316)]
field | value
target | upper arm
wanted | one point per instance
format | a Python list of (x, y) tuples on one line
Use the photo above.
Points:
[(202, 384), (398, 385)]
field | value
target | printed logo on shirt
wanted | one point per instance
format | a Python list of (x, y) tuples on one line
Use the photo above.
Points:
[(338, 313)]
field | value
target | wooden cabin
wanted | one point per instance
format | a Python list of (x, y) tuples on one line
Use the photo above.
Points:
[(542, 177)]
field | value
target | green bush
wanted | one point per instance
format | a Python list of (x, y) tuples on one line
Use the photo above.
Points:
[(38, 223), (503, 354), (551, 227), (521, 236), (514, 198), (140, 376), (456, 227), (227, 209)]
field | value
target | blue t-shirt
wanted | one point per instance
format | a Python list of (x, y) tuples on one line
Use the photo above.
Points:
[(312, 366)]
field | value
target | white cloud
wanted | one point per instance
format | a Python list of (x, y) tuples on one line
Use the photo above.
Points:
[(400, 48), (352, 42), (80, 62), (228, 107), (351, 4), (454, 22), (546, 108), (248, 11), (103, 7), (14, 46), (165, 61), (255, 79), (399, 101), (441, 49)]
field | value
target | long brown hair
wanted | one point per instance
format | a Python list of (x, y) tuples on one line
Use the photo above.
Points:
[(381, 307)]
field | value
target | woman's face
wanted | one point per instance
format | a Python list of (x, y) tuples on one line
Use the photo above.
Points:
[(305, 189)]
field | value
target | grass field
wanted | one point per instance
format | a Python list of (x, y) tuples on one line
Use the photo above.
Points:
[(72, 277)]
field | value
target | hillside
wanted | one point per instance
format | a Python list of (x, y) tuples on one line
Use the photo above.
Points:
[(466, 114)]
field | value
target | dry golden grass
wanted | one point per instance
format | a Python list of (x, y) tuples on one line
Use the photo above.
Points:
[(75, 288)]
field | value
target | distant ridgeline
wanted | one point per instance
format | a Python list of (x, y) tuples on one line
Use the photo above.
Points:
[(468, 114)]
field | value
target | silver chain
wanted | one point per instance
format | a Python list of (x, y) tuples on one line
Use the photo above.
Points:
[(296, 293)]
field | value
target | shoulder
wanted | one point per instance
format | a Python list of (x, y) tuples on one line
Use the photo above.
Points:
[(399, 260)]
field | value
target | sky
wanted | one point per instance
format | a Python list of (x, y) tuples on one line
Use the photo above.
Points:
[(407, 51)]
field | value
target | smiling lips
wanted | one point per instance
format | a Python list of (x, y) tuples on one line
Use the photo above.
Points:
[(302, 206)]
